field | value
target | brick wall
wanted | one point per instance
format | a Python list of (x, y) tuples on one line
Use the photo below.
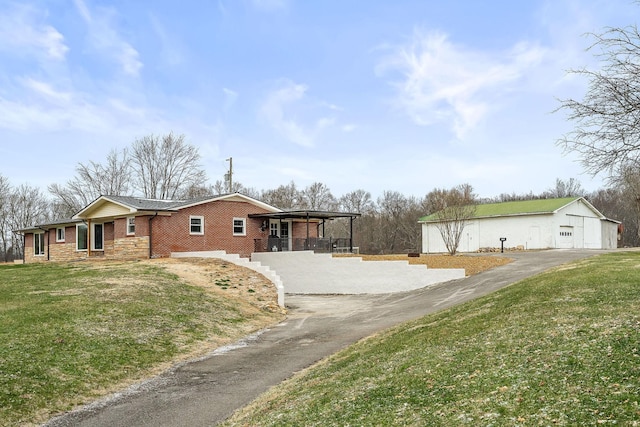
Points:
[(172, 234)]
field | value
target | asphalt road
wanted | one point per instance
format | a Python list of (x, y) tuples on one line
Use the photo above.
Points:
[(206, 391)]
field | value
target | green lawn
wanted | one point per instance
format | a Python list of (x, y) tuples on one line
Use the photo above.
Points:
[(69, 333), (562, 348)]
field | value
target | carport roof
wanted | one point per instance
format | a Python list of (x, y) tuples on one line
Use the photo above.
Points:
[(305, 214)]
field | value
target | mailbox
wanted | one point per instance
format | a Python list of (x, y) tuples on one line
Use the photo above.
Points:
[(502, 240)]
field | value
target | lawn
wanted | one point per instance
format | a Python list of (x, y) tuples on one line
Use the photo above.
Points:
[(73, 332), (562, 348)]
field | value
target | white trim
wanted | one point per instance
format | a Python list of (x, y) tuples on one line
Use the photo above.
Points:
[(127, 219), (196, 233), (93, 236), (231, 196), (64, 234), (78, 234), (41, 244), (244, 226)]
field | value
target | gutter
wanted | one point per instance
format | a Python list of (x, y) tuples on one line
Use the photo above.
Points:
[(151, 235)]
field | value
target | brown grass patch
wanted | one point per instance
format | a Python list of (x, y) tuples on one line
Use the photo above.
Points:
[(472, 264)]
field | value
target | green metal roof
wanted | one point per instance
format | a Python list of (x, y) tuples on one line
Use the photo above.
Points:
[(542, 206)]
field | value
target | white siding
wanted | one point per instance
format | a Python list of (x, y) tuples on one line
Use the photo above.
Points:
[(592, 233)]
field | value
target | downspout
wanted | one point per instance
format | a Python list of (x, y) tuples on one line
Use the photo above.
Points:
[(151, 235), (24, 250)]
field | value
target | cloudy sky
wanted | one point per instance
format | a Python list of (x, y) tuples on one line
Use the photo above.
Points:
[(376, 95)]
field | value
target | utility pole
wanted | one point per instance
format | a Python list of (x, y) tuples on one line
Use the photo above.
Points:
[(229, 175)]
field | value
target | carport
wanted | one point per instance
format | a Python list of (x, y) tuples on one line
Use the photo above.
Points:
[(319, 218)]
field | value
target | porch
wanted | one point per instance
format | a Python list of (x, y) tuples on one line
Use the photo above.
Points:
[(315, 244), (277, 223)]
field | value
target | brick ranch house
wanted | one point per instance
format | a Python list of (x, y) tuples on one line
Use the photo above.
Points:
[(130, 228)]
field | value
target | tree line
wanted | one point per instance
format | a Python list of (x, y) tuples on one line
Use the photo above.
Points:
[(606, 136), (167, 167)]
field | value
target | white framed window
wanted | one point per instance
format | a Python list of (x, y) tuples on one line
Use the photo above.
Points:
[(239, 226), (81, 237), (131, 226), (38, 244), (97, 237), (196, 225), (60, 234)]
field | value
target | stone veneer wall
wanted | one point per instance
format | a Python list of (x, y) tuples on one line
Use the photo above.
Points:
[(126, 248), (130, 248), (66, 252)]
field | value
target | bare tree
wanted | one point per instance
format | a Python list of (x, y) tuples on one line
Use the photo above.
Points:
[(397, 227), (92, 180), (452, 210), (358, 201), (28, 206), (568, 188), (5, 223), (165, 167), (607, 119), (283, 197), (317, 196)]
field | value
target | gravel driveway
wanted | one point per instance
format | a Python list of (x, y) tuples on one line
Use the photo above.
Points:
[(206, 391)]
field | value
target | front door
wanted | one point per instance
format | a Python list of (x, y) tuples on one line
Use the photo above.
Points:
[(281, 229)]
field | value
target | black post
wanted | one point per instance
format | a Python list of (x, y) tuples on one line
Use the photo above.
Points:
[(351, 234), (306, 244), (502, 240)]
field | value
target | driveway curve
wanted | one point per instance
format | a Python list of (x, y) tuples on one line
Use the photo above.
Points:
[(206, 391)]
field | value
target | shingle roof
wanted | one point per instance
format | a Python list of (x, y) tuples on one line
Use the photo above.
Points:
[(524, 207), (140, 203)]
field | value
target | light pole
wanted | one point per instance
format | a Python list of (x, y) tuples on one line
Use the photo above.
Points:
[(229, 175)]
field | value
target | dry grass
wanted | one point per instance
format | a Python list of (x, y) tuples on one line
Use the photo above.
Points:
[(472, 264)]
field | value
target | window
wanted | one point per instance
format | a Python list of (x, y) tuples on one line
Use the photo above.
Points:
[(97, 239), (38, 243), (131, 225), (60, 234), (239, 227), (81, 237), (196, 225)]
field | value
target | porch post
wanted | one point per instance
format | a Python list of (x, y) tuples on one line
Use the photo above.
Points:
[(306, 244), (89, 238), (351, 234)]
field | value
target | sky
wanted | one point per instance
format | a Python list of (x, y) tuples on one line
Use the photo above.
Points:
[(377, 95)]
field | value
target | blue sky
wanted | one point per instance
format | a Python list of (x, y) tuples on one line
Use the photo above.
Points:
[(375, 95)]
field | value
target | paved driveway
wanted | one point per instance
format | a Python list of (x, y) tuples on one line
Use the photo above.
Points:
[(206, 391)]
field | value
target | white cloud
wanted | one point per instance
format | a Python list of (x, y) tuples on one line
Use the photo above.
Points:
[(104, 38), (230, 97), (441, 81), (288, 111), (47, 91), (20, 31), (274, 112)]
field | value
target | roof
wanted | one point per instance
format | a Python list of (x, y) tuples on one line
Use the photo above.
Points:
[(305, 214), (135, 205), (49, 225), (523, 207)]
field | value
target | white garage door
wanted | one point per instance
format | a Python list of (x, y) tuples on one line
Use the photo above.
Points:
[(565, 241)]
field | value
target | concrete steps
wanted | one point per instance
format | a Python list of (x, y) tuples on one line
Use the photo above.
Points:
[(243, 262), (306, 272)]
